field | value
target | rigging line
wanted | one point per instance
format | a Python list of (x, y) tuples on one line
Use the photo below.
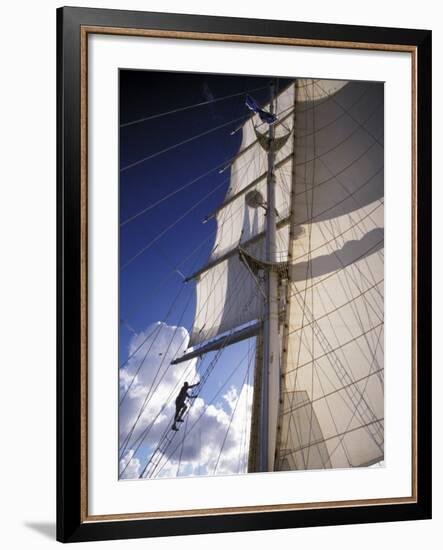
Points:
[(354, 265), (337, 391), (320, 101), (137, 349), (180, 143), (166, 278), (375, 343), (361, 124), (357, 272), (174, 301), (345, 449), (286, 159), (335, 273), (362, 392), (187, 107), (344, 140), (343, 186), (216, 327), (182, 446), (168, 260), (285, 333), (184, 260), (158, 236), (354, 310), (301, 136), (238, 284), (208, 404), (352, 303), (169, 195), (330, 393), (297, 425), (350, 165), (152, 389), (164, 320), (329, 438), (251, 273), (314, 164), (230, 424), (214, 282), (203, 380), (146, 401), (146, 431), (329, 351), (148, 394), (349, 396), (361, 220), (334, 349), (176, 191), (148, 468), (335, 364), (179, 219), (139, 441), (242, 447), (337, 310), (226, 216), (347, 275), (350, 272), (255, 142), (213, 261), (135, 375), (377, 436), (349, 228), (315, 321)]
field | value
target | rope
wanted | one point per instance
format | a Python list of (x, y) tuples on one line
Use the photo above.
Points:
[(202, 382), (166, 197), (150, 392), (181, 109), (159, 235), (230, 424), (207, 405), (187, 140), (146, 401), (182, 445)]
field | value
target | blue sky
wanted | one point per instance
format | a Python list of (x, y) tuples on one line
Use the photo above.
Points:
[(148, 283)]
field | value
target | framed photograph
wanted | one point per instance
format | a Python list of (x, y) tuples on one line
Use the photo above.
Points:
[(235, 349)]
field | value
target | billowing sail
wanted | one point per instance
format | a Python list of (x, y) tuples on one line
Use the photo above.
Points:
[(329, 200), (227, 295), (331, 413)]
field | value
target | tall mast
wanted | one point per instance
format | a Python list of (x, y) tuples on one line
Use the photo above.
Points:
[(270, 367)]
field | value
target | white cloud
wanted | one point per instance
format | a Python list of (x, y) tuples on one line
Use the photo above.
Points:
[(130, 465), (206, 425)]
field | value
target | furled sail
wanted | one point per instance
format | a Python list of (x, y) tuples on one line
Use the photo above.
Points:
[(331, 413)]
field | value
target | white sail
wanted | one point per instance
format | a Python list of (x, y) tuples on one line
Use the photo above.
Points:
[(227, 295), (329, 195), (331, 412)]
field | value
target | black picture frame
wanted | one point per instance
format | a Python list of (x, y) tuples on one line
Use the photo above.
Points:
[(72, 523)]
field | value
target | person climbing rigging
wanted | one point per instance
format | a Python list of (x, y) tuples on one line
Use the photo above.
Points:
[(180, 403)]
